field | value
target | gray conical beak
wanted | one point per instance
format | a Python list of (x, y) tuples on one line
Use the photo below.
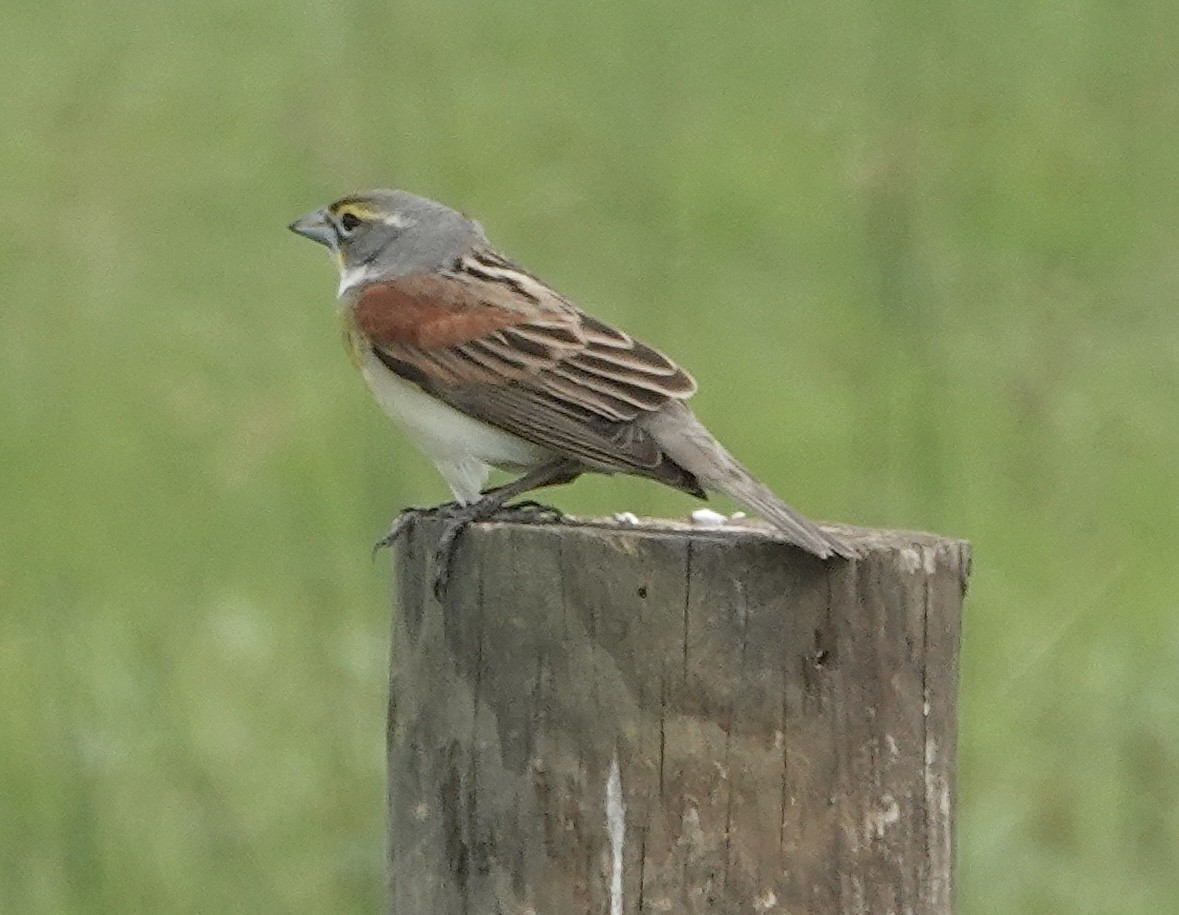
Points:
[(316, 226)]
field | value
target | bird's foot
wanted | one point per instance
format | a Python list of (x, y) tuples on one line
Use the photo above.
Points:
[(407, 517), (487, 509), (528, 510), (456, 516)]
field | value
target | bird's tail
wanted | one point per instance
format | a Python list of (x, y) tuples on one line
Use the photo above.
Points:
[(799, 530), (684, 439)]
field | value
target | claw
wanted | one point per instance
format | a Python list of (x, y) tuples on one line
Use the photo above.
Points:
[(556, 471), (457, 516), (529, 510), (491, 506), (464, 515), (445, 550), (404, 520)]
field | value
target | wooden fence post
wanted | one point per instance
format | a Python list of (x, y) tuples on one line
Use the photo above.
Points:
[(621, 719)]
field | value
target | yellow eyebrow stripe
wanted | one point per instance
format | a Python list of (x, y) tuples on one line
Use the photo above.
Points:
[(360, 211)]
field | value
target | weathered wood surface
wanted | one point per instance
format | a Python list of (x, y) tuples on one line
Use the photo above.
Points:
[(616, 719)]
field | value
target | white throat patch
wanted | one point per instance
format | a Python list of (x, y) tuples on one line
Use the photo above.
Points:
[(350, 277)]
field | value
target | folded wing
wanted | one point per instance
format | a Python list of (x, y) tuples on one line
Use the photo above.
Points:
[(495, 342)]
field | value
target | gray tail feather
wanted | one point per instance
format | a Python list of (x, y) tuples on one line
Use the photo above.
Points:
[(799, 530), (684, 439)]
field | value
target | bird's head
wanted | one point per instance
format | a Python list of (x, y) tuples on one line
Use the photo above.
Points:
[(383, 234)]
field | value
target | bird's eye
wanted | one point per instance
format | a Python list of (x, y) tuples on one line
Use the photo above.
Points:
[(349, 221)]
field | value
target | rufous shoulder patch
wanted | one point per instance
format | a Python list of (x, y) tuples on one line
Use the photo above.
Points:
[(429, 312)]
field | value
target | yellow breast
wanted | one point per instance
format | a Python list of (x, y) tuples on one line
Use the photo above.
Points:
[(354, 343)]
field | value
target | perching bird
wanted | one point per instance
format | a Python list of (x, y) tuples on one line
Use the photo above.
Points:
[(484, 366)]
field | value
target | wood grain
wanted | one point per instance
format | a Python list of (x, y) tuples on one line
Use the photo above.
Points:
[(783, 728)]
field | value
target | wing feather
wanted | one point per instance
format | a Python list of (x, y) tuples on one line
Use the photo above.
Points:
[(497, 343)]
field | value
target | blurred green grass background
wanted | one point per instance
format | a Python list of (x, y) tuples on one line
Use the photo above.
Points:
[(921, 259)]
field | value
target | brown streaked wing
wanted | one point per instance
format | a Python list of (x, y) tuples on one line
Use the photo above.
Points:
[(432, 311), (533, 365)]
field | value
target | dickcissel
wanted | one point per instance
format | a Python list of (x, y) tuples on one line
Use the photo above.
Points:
[(484, 365)]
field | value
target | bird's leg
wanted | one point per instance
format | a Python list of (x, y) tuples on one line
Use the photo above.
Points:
[(491, 505), (562, 472)]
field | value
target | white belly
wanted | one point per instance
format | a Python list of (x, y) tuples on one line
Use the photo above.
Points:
[(463, 449)]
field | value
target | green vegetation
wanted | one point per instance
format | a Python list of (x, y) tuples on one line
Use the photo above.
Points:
[(921, 259)]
